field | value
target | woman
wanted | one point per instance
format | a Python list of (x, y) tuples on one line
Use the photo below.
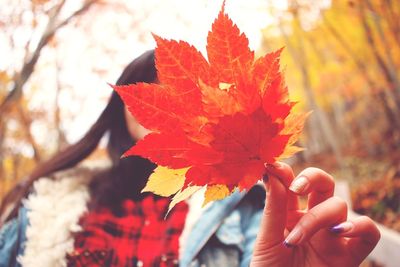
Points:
[(89, 217)]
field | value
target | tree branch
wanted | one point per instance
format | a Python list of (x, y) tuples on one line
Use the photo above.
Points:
[(22, 77)]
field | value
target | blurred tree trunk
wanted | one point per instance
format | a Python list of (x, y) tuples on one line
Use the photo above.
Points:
[(387, 66), (338, 111), (383, 96), (335, 106), (377, 20), (388, 71), (313, 126), (319, 119), (364, 135), (391, 12)]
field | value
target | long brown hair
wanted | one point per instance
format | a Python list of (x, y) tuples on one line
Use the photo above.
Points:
[(125, 177)]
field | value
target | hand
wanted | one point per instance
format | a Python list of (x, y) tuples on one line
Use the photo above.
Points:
[(318, 236)]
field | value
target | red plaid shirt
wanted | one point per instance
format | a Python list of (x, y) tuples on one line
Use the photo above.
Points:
[(138, 237)]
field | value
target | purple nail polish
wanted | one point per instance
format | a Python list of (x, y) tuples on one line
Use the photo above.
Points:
[(293, 238), (342, 228), (288, 245), (337, 229)]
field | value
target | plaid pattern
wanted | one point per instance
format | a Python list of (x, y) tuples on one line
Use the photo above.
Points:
[(138, 237)]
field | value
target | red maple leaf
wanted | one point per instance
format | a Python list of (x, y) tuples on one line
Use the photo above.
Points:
[(221, 118)]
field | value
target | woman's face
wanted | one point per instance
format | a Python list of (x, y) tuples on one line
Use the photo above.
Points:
[(136, 130)]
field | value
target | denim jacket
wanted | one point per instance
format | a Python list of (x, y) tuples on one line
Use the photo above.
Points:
[(224, 235)]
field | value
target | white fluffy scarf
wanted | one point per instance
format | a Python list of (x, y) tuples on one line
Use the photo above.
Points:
[(53, 212)]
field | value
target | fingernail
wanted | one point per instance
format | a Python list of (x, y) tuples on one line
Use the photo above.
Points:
[(293, 238), (299, 185), (342, 228)]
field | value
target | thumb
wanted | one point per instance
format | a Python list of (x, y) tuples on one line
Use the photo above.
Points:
[(274, 217)]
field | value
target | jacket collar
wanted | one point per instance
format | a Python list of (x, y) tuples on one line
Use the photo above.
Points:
[(207, 225)]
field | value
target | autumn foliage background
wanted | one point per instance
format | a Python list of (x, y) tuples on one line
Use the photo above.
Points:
[(341, 59)]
